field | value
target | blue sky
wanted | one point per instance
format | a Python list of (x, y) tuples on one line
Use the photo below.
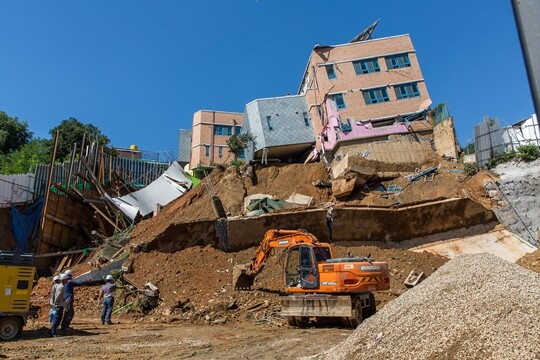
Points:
[(139, 69)]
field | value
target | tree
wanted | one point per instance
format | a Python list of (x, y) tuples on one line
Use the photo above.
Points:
[(72, 131), (237, 143), (24, 160), (13, 133)]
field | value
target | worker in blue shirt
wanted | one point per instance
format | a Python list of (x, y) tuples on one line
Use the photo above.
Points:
[(69, 310)]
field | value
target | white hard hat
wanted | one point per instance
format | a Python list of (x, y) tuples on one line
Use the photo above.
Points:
[(56, 277), (108, 277), (68, 272), (64, 276)]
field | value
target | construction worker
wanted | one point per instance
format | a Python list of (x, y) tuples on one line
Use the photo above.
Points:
[(69, 310), (107, 292), (56, 281), (59, 303)]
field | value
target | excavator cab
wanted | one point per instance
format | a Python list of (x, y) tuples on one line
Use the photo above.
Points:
[(301, 268)]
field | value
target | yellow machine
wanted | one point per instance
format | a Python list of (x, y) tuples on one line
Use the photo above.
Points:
[(16, 281)]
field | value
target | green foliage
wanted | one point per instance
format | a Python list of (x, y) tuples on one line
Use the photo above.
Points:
[(469, 149), (26, 158), (13, 133), (237, 163), (528, 152), (470, 169), (72, 131), (525, 153), (237, 143)]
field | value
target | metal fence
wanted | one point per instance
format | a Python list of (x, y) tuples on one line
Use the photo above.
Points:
[(490, 140), (28, 187)]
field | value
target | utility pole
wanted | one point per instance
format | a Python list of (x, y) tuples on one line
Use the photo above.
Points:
[(527, 15)]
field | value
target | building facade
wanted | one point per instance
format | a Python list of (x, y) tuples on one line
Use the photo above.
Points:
[(282, 125), (364, 89), (209, 135)]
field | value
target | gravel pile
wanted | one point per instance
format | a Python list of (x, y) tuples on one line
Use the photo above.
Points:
[(473, 307)]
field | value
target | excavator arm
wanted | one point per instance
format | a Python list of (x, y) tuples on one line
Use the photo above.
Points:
[(244, 274)]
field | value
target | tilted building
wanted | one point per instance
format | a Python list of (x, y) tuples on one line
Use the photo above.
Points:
[(365, 90)]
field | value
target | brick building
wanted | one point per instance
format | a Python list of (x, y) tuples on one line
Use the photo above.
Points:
[(209, 134), (365, 89)]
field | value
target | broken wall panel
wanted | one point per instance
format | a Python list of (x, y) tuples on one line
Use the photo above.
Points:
[(444, 136), (398, 149)]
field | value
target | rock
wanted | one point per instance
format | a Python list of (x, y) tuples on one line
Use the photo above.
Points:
[(342, 187), (232, 305)]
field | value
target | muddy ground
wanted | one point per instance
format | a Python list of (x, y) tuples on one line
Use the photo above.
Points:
[(128, 340)]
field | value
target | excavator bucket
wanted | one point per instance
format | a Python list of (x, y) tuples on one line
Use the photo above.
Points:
[(241, 280)]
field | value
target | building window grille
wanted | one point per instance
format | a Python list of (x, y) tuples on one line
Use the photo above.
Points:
[(375, 96), (306, 119), (330, 71), (397, 61), (269, 123), (405, 91), (340, 101), (223, 130), (366, 66)]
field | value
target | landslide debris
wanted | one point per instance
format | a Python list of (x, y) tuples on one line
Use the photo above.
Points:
[(474, 307), (196, 283)]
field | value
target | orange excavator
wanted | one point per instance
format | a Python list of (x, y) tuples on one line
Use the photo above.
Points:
[(317, 285)]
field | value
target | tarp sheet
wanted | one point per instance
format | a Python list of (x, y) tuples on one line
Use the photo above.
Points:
[(172, 184), (25, 222)]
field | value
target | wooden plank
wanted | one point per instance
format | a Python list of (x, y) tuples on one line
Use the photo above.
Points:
[(62, 263), (60, 253), (60, 221), (70, 259)]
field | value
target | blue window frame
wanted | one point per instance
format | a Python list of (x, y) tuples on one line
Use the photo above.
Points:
[(330, 71), (269, 123), (238, 130), (306, 118), (374, 96), (405, 91), (366, 66), (340, 101), (223, 130), (207, 150), (397, 61), (242, 154)]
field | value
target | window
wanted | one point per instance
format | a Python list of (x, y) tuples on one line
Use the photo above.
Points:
[(242, 154), (366, 66), (340, 102), (220, 151), (270, 123), (374, 96), (404, 91), (346, 126), (223, 130), (306, 119), (397, 61), (238, 130), (207, 150), (330, 71)]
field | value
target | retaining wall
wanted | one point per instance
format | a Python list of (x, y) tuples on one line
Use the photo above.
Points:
[(349, 224)]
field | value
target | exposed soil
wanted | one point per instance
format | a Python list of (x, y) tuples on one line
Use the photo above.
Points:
[(129, 340), (531, 261)]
